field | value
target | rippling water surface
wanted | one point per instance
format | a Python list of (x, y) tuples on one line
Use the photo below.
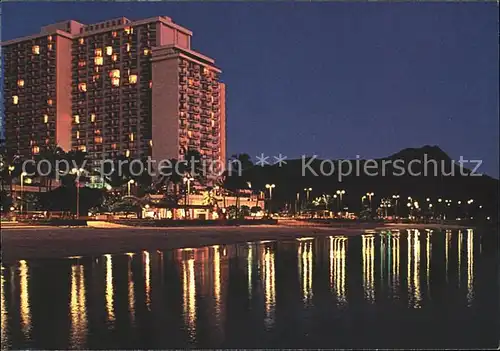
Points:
[(412, 288)]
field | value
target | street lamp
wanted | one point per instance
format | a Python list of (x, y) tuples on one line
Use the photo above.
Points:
[(187, 179), (131, 181), (270, 187), (396, 198), (370, 198), (307, 190), (297, 204), (24, 174), (77, 171)]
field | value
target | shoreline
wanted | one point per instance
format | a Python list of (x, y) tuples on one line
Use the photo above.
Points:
[(59, 242)]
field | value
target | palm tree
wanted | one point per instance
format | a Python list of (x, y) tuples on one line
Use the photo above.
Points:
[(236, 178), (51, 153)]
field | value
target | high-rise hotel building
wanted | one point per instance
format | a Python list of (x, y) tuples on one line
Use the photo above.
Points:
[(118, 87)]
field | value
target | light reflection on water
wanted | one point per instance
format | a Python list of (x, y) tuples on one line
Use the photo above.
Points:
[(209, 278), (78, 307)]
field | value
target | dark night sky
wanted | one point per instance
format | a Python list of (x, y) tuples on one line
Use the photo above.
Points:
[(334, 79)]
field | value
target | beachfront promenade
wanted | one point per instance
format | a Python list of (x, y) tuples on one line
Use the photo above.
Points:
[(25, 242)]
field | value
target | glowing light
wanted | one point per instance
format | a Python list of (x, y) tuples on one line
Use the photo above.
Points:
[(459, 265), (269, 287), (428, 251), (470, 267), (78, 308), (24, 299), (5, 316), (249, 265), (147, 278), (109, 290), (368, 252), (338, 268), (217, 281), (131, 293), (413, 278), (189, 297), (395, 265)]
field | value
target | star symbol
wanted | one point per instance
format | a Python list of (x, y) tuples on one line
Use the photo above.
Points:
[(262, 160), (280, 160)]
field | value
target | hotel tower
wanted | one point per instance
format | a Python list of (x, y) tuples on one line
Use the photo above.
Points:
[(119, 87)]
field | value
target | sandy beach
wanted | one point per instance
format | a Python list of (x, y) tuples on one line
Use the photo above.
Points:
[(56, 242)]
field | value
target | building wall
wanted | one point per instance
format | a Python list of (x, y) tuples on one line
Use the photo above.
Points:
[(31, 95), (222, 133), (165, 109), (101, 90), (63, 93)]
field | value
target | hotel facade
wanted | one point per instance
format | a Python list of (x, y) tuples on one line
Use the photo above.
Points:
[(119, 87)]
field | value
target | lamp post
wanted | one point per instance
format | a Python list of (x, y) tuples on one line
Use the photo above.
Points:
[(297, 204), (77, 171), (340, 193), (396, 199), (131, 181), (22, 189), (370, 199), (307, 190), (270, 187), (187, 179)]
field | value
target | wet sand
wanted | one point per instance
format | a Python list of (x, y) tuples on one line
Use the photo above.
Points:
[(57, 242)]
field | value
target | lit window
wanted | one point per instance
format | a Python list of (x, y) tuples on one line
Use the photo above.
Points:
[(190, 133), (83, 148), (115, 82), (81, 41), (127, 153), (128, 30), (109, 50), (113, 146), (151, 143), (49, 38), (96, 68), (98, 52), (82, 63), (95, 78), (205, 70), (77, 119), (35, 49), (97, 131), (150, 84), (98, 61), (78, 134), (36, 150), (45, 119), (49, 47), (132, 79), (92, 117), (131, 136), (146, 52), (190, 81), (15, 99), (20, 83), (115, 73), (213, 123), (127, 46), (98, 140), (49, 102), (82, 87), (114, 34), (47, 141), (114, 57)]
